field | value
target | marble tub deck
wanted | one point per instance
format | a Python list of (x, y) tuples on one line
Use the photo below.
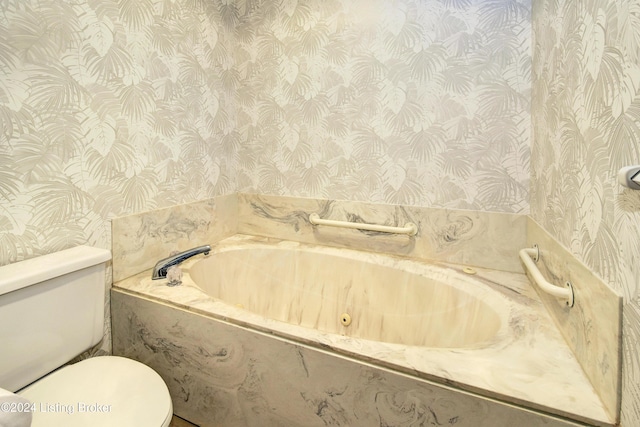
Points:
[(529, 366)]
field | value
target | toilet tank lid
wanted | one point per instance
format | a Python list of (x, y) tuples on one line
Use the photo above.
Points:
[(35, 270)]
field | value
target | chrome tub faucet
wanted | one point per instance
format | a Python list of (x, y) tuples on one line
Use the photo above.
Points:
[(161, 267)]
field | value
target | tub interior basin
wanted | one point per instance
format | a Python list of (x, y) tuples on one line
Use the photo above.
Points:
[(386, 299)]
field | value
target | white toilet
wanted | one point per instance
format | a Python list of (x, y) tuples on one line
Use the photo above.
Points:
[(51, 310)]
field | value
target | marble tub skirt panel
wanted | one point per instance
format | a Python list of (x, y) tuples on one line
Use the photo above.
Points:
[(221, 374)]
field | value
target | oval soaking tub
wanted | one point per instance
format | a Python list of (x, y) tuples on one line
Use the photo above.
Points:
[(260, 312), (341, 292)]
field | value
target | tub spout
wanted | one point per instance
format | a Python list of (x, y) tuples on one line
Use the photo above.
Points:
[(160, 269)]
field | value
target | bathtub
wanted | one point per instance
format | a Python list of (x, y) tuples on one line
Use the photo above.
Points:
[(344, 293), (482, 332)]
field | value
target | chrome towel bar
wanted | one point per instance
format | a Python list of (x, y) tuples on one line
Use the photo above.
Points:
[(410, 228)]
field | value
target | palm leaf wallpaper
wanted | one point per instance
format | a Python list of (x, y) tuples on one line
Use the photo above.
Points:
[(388, 101), (109, 107), (586, 118)]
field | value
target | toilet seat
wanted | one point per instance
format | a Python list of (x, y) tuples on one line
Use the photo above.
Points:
[(101, 391)]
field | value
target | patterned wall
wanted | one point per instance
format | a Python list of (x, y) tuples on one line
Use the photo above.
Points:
[(586, 122), (397, 101), (116, 106), (108, 107)]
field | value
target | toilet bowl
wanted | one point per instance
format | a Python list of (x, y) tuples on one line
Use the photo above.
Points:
[(101, 391), (54, 305)]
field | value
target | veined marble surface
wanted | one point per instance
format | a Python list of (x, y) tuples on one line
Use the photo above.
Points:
[(593, 327), (222, 374), (483, 239), (527, 363), (142, 239)]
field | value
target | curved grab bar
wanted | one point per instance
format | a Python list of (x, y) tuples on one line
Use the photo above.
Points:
[(565, 293), (410, 228)]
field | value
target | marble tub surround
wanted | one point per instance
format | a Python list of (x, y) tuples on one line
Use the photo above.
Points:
[(527, 363), (593, 327), (140, 240), (483, 239)]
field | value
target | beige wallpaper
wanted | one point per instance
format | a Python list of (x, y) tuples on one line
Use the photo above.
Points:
[(410, 102), (107, 108), (586, 122)]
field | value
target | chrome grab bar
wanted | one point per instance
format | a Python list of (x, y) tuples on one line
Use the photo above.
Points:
[(410, 228)]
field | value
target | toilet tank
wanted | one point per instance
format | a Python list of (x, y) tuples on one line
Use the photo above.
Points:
[(51, 310)]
